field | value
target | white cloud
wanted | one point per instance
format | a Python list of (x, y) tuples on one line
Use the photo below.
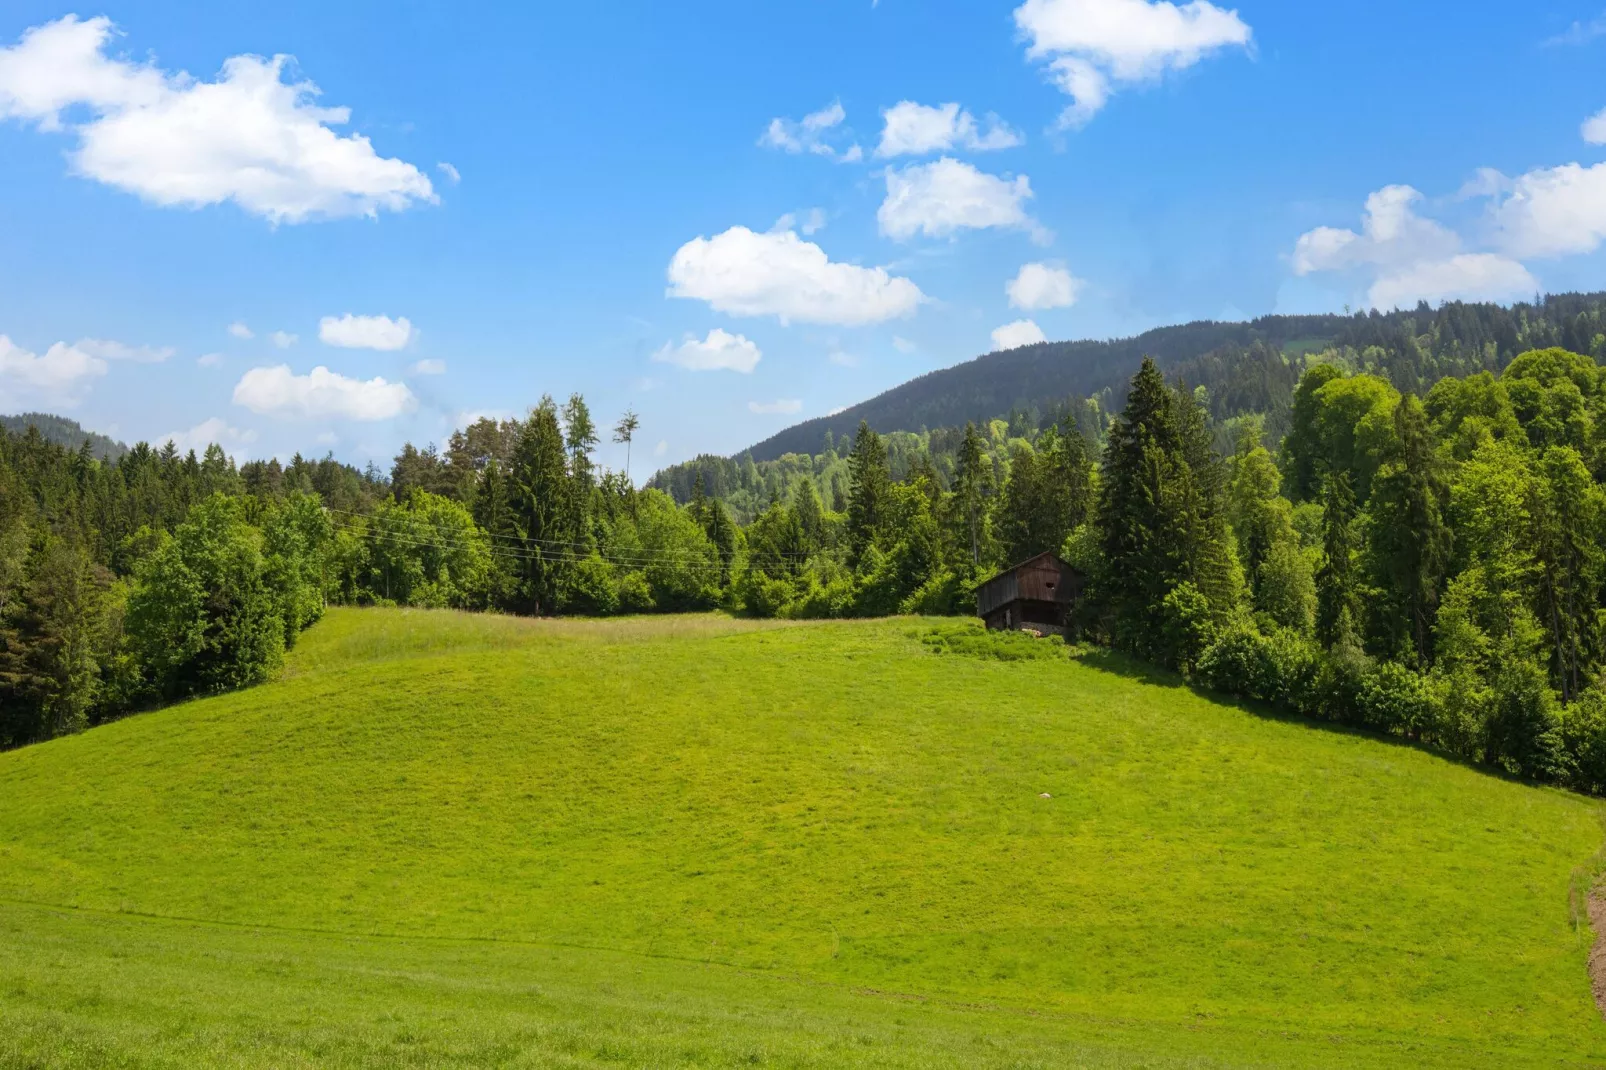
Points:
[(1410, 258), (786, 407), (204, 434), (903, 345), (811, 134), (1465, 276), (744, 273), (322, 394), (453, 175), (944, 196), (1594, 128), (59, 377), (1041, 285), (209, 360), (108, 350), (365, 332), (1017, 334), (1555, 211), (838, 411), (661, 449), (428, 367), (240, 330), (720, 351), (1093, 45), (283, 339), (913, 129), (814, 222), (174, 140)]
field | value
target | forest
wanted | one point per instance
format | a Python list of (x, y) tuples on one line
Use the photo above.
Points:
[(1428, 566)]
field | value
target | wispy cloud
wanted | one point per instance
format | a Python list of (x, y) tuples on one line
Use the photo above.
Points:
[(1580, 33)]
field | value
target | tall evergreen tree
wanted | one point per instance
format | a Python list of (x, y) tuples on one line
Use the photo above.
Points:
[(1410, 541), (1335, 588), (871, 476), (970, 484), (543, 505)]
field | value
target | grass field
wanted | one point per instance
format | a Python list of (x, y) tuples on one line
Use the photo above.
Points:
[(455, 840)]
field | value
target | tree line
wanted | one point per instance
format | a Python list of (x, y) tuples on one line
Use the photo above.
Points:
[(1428, 566)]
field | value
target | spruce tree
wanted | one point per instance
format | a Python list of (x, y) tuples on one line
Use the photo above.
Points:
[(871, 477), (971, 476), (1335, 591), (543, 507), (1410, 541)]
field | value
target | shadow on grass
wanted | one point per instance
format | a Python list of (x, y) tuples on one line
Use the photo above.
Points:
[(1131, 668)]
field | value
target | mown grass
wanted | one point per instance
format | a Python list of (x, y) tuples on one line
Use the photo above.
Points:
[(457, 840)]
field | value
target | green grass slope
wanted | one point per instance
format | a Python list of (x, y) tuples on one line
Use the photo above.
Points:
[(459, 840)]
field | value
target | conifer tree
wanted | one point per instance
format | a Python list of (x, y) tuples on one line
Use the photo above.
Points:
[(970, 484), (867, 500), (543, 507), (1335, 592), (1410, 541)]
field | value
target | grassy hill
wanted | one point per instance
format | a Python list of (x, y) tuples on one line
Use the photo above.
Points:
[(470, 840)]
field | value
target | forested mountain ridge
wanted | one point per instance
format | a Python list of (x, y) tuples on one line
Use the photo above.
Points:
[(60, 431), (1236, 362)]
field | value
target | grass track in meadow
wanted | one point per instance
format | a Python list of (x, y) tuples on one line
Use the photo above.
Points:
[(455, 839)]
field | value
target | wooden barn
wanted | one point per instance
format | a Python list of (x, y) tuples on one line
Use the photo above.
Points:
[(1035, 595)]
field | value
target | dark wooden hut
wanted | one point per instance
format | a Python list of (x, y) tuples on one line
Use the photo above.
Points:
[(1035, 595)]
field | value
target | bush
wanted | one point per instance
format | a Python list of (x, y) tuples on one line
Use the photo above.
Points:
[(1393, 698), (1581, 733), (1186, 629), (945, 594), (1240, 662)]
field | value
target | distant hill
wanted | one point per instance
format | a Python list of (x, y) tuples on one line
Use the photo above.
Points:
[(64, 432), (1414, 348)]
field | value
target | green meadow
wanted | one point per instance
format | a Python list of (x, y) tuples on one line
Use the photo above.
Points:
[(455, 840)]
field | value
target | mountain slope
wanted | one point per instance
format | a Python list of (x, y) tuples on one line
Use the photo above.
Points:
[(456, 840), (64, 432), (1413, 347)]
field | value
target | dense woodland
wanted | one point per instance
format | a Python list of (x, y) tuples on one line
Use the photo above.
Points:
[(1428, 565)]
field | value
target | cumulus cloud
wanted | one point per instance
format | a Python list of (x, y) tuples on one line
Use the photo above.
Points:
[(365, 332), (283, 339), (814, 133), (1092, 46), (1040, 285), (428, 367), (786, 407), (1017, 334), (1410, 258), (108, 350), (913, 129), (720, 351), (744, 273), (206, 433), (1553, 211), (453, 175), (939, 198), (174, 140), (60, 376), (1465, 276), (240, 330), (322, 394)]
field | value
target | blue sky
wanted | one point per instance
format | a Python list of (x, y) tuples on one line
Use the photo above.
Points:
[(731, 216)]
